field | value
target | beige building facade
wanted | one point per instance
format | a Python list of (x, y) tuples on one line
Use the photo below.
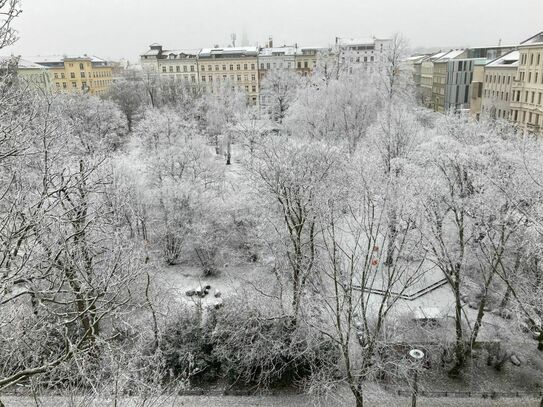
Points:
[(237, 66), (498, 79), (527, 89)]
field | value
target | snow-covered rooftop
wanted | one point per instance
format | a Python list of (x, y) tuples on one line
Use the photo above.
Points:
[(355, 41), (508, 60), (45, 59), (246, 51), (23, 63), (451, 55), (536, 39), (286, 50)]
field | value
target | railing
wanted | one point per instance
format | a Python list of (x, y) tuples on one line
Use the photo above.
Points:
[(408, 297), (468, 394)]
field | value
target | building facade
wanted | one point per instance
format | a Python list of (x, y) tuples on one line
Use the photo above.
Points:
[(459, 80), (274, 58), (237, 66), (76, 74), (498, 79), (306, 59), (33, 75), (178, 65), (356, 51), (440, 76), (527, 88), (427, 79)]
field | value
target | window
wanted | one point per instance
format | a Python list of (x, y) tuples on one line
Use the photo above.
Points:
[(268, 65), (203, 68), (253, 67), (164, 69), (245, 66), (210, 67), (58, 84), (210, 78), (261, 65), (365, 59), (203, 78), (299, 64), (224, 67), (192, 68), (184, 68), (239, 78), (171, 68), (83, 85), (232, 67), (74, 85), (193, 78), (177, 68), (305, 64), (81, 66), (253, 88), (72, 75), (216, 67), (82, 74), (64, 85), (253, 78)]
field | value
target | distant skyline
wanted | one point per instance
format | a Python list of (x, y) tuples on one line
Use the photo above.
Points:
[(115, 29)]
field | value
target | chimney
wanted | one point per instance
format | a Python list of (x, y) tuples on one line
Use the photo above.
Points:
[(270, 43)]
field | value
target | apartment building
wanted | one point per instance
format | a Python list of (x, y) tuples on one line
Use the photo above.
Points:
[(179, 65), (415, 64), (235, 65), (33, 75), (306, 59), (427, 79), (355, 51), (476, 89), (439, 84), (78, 74), (527, 88), (459, 81), (496, 88), (273, 58)]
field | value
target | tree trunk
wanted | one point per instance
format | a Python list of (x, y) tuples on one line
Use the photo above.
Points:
[(228, 151), (358, 396), (505, 299), (459, 346)]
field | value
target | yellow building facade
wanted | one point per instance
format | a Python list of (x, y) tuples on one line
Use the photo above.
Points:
[(237, 66), (77, 74)]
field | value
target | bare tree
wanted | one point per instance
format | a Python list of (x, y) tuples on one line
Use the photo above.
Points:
[(291, 173), (9, 11)]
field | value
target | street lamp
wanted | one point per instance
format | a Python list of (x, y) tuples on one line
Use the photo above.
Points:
[(415, 355)]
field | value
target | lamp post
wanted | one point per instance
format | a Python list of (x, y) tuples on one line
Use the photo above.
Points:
[(415, 355)]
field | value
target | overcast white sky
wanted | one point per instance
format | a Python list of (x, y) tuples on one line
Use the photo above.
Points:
[(124, 28)]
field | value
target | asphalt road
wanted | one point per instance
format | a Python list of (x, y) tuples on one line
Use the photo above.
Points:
[(266, 401)]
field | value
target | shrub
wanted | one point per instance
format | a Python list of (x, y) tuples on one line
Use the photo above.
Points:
[(187, 349), (258, 349)]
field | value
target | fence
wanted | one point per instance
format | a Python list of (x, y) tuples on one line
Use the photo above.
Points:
[(468, 394)]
